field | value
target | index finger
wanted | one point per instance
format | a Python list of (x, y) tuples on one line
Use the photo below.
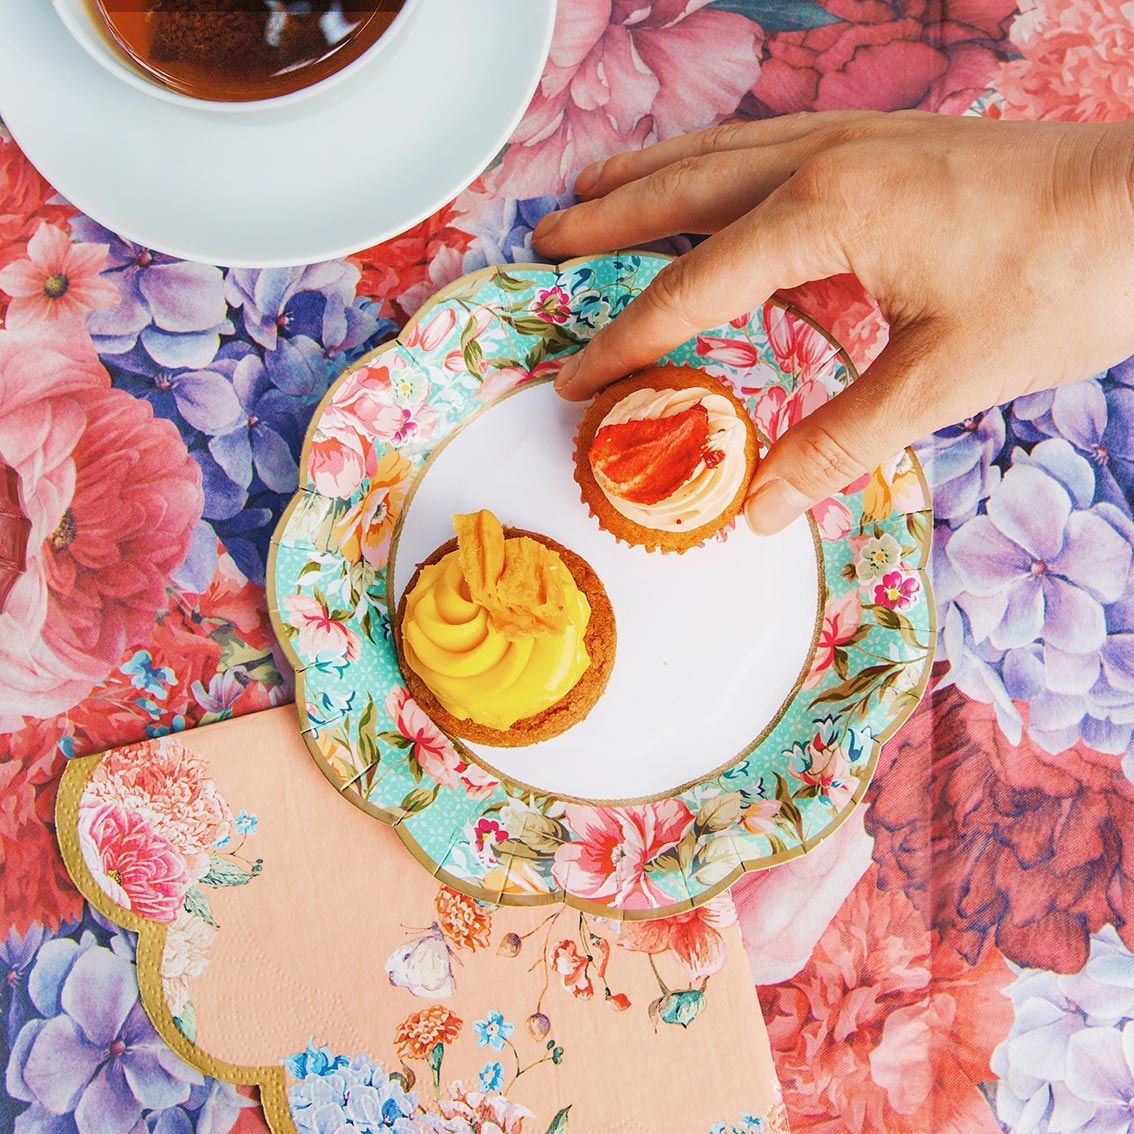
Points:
[(600, 177), (783, 242)]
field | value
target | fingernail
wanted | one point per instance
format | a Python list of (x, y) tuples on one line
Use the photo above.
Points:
[(567, 373), (588, 178), (546, 226), (773, 506)]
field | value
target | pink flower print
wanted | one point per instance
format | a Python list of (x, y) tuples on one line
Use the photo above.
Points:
[(337, 461), (833, 519), (477, 782), (319, 633), (572, 968), (57, 280), (465, 360), (799, 348), (897, 591), (618, 77), (386, 402), (480, 1112), (366, 529), (732, 352), (429, 334), (432, 749), (842, 617), (403, 425), (138, 869), (488, 833), (111, 499), (776, 411), (608, 861), (500, 381), (1072, 63), (166, 783), (694, 936), (760, 817), (552, 305), (824, 765), (393, 404)]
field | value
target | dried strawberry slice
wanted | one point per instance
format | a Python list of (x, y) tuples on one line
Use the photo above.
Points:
[(646, 460)]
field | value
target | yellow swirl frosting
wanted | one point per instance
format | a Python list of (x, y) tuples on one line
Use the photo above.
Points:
[(496, 628)]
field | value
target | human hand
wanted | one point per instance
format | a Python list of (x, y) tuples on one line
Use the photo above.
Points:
[(1000, 253)]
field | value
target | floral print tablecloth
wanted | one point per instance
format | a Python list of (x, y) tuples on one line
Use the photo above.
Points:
[(964, 959)]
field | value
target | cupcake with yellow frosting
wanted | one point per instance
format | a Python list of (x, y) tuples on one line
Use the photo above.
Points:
[(664, 457), (505, 637)]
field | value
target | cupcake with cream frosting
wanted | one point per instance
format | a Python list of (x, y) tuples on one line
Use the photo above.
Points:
[(664, 457), (505, 637)]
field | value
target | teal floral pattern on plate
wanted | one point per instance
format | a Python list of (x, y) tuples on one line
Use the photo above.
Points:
[(479, 339)]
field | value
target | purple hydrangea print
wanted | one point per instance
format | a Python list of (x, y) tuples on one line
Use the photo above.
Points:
[(84, 1057), (237, 360), (1032, 561), (173, 310), (960, 464), (94, 1054), (1067, 1066), (502, 229)]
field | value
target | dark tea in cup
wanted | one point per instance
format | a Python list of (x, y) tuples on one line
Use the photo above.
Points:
[(243, 50)]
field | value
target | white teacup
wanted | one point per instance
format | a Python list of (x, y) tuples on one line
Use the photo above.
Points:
[(86, 28)]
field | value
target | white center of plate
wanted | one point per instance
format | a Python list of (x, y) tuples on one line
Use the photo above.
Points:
[(710, 643)]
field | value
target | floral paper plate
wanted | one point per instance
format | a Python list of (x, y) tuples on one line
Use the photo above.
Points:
[(755, 678)]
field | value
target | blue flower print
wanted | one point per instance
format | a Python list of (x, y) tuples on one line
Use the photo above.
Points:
[(335, 1096), (748, 1124), (493, 1032), (146, 676), (245, 823), (492, 1076), (314, 1061), (1069, 1047), (176, 724)]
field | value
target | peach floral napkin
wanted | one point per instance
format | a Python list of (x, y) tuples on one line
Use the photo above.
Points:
[(288, 940)]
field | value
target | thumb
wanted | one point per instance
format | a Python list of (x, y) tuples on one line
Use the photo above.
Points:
[(907, 393)]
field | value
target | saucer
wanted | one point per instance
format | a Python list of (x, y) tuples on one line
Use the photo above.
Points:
[(326, 178)]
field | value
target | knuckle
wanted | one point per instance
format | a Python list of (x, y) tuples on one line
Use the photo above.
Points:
[(669, 292), (618, 168), (825, 463), (827, 184), (813, 182), (726, 136), (673, 180), (849, 133), (801, 118)]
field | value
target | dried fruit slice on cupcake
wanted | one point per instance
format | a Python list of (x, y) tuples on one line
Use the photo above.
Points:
[(505, 637), (664, 457)]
